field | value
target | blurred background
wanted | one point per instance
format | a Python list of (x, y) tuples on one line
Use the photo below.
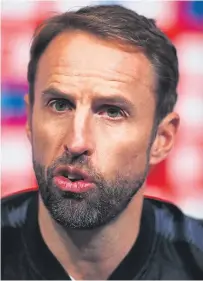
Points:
[(178, 179)]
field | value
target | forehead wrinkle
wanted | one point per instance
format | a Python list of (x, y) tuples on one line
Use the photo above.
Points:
[(117, 79)]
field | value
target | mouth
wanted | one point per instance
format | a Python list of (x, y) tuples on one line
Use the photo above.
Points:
[(73, 174), (72, 179)]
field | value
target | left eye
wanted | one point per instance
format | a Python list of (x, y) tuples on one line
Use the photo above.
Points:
[(60, 105), (112, 112)]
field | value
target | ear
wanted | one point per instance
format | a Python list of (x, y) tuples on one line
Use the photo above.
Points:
[(165, 138), (29, 116)]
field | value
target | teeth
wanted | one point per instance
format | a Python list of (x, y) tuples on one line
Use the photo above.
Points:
[(71, 177)]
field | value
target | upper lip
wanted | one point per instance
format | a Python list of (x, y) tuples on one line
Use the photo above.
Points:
[(73, 172)]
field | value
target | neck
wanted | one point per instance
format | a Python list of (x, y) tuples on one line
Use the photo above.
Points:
[(92, 254)]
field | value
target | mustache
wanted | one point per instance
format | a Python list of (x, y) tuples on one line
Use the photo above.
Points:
[(81, 162)]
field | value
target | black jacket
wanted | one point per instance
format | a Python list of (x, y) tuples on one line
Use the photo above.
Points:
[(169, 245)]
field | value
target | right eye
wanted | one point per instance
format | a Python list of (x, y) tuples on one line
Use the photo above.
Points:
[(59, 105)]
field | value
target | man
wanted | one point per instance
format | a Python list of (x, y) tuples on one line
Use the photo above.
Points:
[(102, 88)]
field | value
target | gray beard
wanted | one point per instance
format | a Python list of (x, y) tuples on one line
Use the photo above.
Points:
[(90, 209)]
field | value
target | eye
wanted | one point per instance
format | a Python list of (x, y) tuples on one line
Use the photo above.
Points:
[(60, 105), (112, 112)]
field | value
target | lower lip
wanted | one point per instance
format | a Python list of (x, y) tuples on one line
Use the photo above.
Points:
[(67, 185)]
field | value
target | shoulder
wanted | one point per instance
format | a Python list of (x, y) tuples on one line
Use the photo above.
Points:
[(171, 222), (14, 209), (180, 236), (14, 217), (14, 212)]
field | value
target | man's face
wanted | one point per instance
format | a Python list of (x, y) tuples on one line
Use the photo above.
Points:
[(94, 110)]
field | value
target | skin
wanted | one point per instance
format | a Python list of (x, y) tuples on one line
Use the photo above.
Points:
[(90, 76)]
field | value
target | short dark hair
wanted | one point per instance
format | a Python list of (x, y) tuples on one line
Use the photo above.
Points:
[(115, 22)]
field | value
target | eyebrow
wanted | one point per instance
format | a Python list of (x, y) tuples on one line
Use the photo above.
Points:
[(117, 100), (53, 92)]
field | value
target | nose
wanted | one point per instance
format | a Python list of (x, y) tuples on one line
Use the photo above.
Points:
[(80, 136)]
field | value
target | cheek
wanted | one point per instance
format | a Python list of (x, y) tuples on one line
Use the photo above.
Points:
[(123, 150), (47, 141)]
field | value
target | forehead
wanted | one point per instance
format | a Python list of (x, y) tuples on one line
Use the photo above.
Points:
[(78, 54)]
